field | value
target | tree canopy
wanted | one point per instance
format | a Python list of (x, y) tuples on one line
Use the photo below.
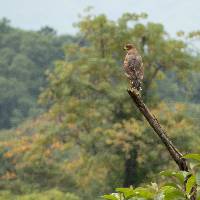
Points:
[(24, 57)]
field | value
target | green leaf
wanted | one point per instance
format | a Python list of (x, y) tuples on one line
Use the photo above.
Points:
[(110, 197), (195, 166), (172, 193), (127, 192), (180, 175), (144, 192), (198, 178), (173, 185), (190, 183), (192, 156)]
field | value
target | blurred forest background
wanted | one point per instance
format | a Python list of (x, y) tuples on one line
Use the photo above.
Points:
[(69, 130)]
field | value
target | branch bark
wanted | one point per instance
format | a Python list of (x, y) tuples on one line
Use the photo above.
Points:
[(152, 120), (175, 154)]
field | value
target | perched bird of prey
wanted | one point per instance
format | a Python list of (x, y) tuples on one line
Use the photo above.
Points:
[(133, 67)]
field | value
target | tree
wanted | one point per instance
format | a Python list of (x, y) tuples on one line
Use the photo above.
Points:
[(24, 58), (80, 86)]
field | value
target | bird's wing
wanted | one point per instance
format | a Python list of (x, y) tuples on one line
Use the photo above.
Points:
[(136, 65), (134, 62)]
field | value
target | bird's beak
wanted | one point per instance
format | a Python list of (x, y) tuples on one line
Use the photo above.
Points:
[(125, 48)]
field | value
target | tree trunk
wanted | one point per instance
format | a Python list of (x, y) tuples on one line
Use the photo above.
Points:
[(130, 169)]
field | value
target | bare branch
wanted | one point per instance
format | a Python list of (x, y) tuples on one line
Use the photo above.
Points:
[(174, 152)]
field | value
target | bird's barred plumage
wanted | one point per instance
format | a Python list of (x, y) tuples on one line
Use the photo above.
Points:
[(133, 67)]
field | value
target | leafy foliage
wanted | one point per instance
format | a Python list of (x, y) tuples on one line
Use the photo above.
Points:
[(168, 190)]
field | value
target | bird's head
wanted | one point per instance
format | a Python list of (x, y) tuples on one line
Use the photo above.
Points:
[(128, 47)]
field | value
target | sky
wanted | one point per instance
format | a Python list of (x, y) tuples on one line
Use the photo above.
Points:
[(176, 15)]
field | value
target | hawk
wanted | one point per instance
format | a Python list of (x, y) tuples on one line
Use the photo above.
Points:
[(133, 67)]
